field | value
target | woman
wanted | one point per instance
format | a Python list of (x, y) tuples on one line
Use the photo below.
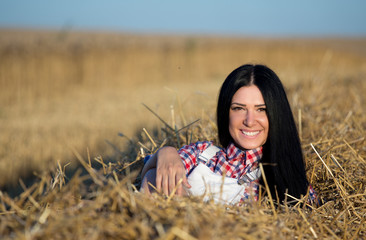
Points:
[(255, 125)]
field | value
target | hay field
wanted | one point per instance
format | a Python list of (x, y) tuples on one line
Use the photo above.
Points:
[(64, 95)]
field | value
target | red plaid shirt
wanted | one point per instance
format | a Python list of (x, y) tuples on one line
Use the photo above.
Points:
[(231, 161)]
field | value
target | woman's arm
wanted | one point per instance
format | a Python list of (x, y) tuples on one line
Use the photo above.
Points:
[(169, 171), (150, 164)]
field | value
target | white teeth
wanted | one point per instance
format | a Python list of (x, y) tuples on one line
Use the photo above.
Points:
[(250, 133)]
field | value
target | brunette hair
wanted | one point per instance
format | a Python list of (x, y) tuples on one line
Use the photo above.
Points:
[(282, 159)]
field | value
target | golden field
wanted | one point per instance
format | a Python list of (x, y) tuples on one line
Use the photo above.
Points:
[(65, 93)]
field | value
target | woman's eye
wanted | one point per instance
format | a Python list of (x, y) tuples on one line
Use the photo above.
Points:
[(262, 109), (236, 108)]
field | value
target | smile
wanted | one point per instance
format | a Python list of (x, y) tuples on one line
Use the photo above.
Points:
[(250, 133)]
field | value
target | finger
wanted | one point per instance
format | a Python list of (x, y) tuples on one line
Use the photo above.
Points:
[(159, 179), (171, 184), (186, 183), (180, 186), (186, 186), (165, 185)]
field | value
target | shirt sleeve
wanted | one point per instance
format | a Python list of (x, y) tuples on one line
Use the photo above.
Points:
[(147, 158), (251, 191), (189, 154), (313, 196)]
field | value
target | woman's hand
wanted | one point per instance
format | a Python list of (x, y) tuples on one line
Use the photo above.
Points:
[(169, 171)]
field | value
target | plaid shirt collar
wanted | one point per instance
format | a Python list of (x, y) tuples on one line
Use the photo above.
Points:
[(235, 162), (251, 156)]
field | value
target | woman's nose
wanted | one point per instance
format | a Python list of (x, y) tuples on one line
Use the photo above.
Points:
[(249, 119)]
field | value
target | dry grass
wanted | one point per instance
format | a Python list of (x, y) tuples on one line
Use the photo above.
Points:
[(104, 204), (61, 94)]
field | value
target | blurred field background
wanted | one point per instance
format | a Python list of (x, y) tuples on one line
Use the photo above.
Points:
[(61, 90), (67, 93)]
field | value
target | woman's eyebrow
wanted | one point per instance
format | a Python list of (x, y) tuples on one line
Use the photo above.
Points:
[(240, 104), (260, 105), (244, 105)]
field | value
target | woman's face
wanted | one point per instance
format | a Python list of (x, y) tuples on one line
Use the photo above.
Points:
[(248, 122)]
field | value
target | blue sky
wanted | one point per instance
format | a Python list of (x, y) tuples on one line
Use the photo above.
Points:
[(233, 17)]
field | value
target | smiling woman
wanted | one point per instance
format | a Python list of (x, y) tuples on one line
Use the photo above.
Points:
[(248, 119), (255, 125)]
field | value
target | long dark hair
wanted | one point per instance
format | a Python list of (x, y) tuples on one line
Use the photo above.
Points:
[(282, 155)]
